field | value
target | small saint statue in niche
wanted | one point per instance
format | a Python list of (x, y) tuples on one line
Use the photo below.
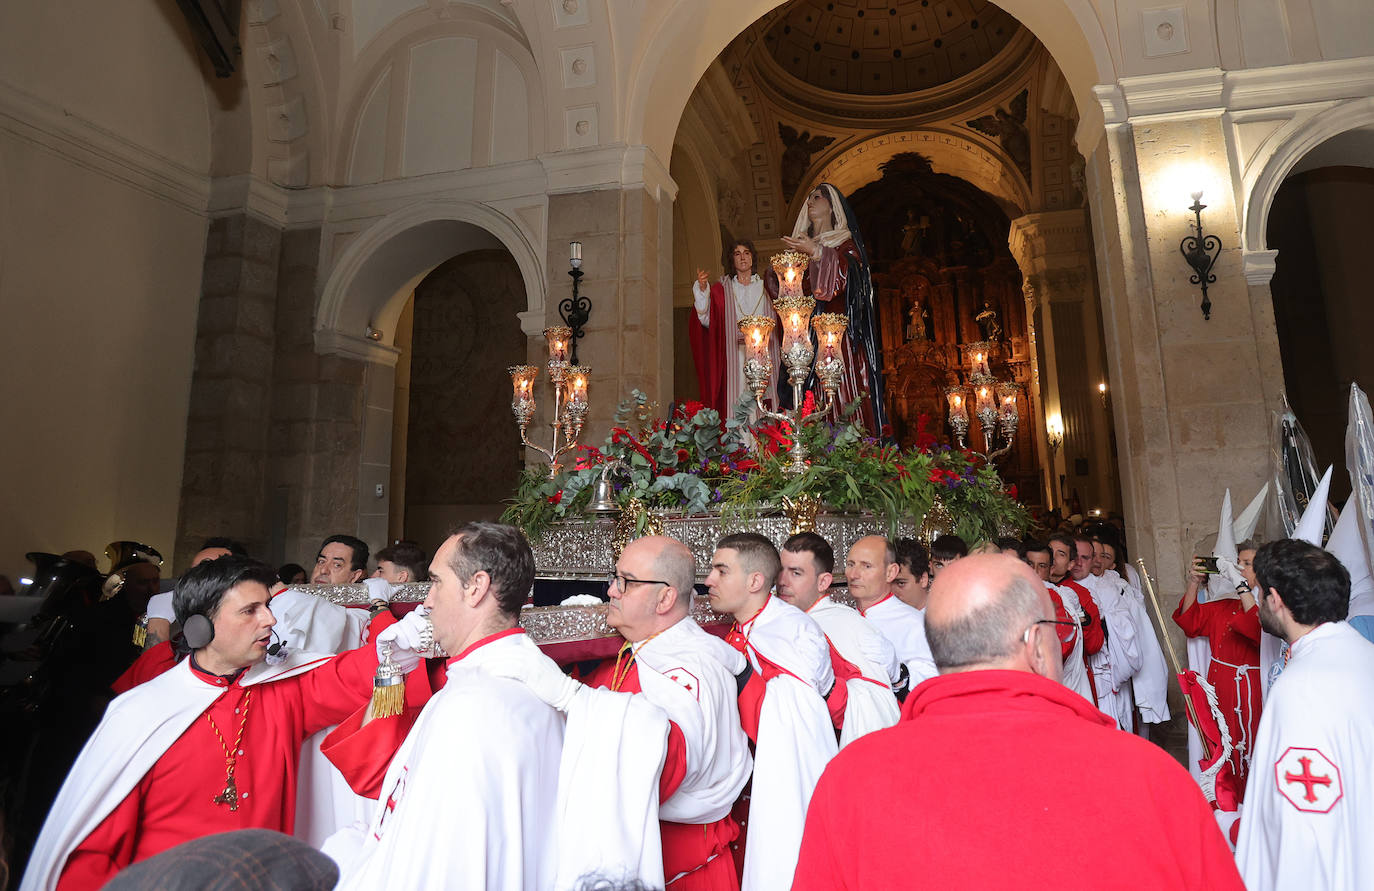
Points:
[(918, 323), (988, 323)]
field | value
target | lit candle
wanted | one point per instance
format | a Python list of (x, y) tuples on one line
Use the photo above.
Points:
[(984, 403), (790, 267), (958, 406), (830, 328), (522, 387), (795, 313), (558, 337), (756, 330), (1006, 401), (577, 385)]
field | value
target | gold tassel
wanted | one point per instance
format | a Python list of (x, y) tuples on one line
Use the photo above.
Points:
[(141, 632), (388, 688)]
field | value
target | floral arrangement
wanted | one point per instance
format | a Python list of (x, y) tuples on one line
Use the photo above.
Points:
[(696, 462)]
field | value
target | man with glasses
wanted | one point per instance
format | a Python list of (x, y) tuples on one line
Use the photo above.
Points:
[(979, 753), (690, 674), (671, 665)]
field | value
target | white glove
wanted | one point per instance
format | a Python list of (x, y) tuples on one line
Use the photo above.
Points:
[(379, 589), (529, 666), (407, 640), (160, 607), (1229, 571)]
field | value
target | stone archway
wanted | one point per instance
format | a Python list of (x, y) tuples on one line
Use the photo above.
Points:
[(363, 299)]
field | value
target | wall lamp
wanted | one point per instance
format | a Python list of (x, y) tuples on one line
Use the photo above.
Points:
[(1201, 252), (575, 310), (1054, 434)]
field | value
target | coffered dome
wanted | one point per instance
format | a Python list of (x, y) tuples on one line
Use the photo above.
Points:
[(879, 47)]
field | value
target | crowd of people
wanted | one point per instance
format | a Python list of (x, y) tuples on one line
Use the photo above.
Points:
[(787, 747)]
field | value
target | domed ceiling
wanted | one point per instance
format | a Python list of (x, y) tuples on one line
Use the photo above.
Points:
[(873, 47)]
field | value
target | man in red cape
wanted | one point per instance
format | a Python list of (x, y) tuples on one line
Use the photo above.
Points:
[(990, 780)]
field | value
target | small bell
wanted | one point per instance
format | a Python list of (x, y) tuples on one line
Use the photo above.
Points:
[(603, 495)]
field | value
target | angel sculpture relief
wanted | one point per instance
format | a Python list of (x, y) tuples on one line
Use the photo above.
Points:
[(1008, 126)]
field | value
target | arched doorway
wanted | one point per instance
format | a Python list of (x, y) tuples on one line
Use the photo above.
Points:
[(954, 123), (367, 311), (456, 452), (1320, 225)]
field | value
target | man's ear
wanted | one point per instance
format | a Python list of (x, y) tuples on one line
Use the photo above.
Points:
[(823, 581), (756, 582), (357, 575), (404, 575), (481, 585), (924, 580), (668, 597), (892, 570)]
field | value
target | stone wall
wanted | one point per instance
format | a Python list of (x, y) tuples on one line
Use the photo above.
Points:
[(274, 429), (462, 454)]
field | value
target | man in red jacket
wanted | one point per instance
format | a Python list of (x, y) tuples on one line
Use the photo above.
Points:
[(975, 769)]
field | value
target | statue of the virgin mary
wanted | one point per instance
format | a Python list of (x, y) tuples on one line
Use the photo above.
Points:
[(838, 278)]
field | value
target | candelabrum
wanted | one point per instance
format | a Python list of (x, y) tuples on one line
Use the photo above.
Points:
[(569, 397), (994, 404), (794, 311)]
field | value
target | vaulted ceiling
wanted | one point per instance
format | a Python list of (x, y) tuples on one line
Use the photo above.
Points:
[(878, 47)]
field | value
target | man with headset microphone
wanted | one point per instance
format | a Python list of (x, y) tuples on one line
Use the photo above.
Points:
[(210, 745)]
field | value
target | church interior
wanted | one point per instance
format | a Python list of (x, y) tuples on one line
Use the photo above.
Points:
[(273, 294)]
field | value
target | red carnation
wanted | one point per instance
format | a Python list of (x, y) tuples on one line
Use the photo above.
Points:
[(1012, 491), (556, 497)]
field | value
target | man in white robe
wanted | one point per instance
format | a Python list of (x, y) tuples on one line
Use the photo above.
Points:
[(1119, 659), (1309, 804), (690, 674), (470, 798), (808, 564), (1150, 684), (870, 568), (782, 707)]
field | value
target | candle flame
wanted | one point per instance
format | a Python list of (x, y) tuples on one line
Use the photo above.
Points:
[(958, 400), (791, 274), (757, 338), (830, 338), (796, 320), (982, 391)]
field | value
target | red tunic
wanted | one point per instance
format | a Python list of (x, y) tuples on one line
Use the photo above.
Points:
[(990, 786), (699, 850), (173, 801), (149, 664), (1234, 669)]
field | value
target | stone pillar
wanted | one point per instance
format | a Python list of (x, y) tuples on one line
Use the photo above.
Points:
[(231, 388), (316, 420), (1053, 251), (629, 337), (1191, 398)]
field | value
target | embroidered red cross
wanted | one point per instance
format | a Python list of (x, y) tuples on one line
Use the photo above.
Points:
[(1307, 778)]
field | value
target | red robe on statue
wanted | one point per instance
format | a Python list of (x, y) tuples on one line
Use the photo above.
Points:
[(715, 346), (174, 802), (976, 765), (1233, 670)]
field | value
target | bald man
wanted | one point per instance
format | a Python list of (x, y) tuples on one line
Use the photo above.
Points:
[(870, 569), (690, 674), (990, 783)]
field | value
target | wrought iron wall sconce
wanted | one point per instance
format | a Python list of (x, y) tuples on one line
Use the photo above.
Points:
[(575, 310), (1201, 252)]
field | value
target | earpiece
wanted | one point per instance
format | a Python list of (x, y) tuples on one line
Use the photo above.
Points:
[(198, 631)]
